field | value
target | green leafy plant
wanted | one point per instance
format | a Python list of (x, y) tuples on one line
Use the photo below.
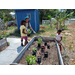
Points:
[(34, 49), (70, 47), (71, 42), (1, 36), (52, 35), (8, 43), (29, 31), (30, 59), (39, 41), (64, 39)]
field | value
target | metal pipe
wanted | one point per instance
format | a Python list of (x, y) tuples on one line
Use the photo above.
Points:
[(59, 54)]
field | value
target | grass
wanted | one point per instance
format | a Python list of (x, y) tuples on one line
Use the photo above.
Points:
[(64, 39), (70, 47), (52, 35)]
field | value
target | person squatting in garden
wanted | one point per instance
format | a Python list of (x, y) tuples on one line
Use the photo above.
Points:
[(23, 32), (59, 39)]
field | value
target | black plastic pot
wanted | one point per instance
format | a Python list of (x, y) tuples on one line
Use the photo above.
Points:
[(45, 43), (42, 49), (48, 46), (46, 55), (39, 59), (27, 63), (39, 45), (34, 53), (28, 34)]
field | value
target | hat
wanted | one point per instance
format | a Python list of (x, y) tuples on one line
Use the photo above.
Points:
[(26, 17)]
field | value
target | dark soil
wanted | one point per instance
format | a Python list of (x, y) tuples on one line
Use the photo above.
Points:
[(52, 54)]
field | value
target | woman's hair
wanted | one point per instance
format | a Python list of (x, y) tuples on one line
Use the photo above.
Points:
[(22, 22)]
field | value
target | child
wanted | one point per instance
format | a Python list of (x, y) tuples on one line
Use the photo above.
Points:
[(59, 39), (23, 32)]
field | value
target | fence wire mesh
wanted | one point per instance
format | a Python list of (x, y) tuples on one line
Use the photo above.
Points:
[(67, 22)]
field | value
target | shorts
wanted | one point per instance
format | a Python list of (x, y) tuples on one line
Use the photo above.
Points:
[(60, 43), (24, 37)]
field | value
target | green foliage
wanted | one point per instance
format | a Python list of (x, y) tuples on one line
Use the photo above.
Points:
[(71, 42), (29, 31), (64, 39), (8, 43), (1, 36), (31, 59), (39, 41), (70, 47), (49, 17), (64, 27), (52, 35), (34, 49)]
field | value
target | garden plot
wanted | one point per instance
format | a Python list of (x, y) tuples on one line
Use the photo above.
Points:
[(45, 52)]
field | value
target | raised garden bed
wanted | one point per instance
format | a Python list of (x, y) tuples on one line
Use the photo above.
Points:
[(3, 43), (51, 55)]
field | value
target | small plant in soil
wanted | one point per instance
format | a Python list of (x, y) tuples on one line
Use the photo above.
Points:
[(1, 36), (70, 47), (30, 59), (43, 49), (45, 43), (39, 59), (48, 46), (39, 42), (34, 51), (8, 43), (46, 54)]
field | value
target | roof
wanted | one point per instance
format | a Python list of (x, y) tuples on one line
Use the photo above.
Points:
[(24, 9)]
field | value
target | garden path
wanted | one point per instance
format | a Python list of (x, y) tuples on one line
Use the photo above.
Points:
[(9, 54)]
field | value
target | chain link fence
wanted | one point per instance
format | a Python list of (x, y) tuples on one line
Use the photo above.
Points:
[(67, 22)]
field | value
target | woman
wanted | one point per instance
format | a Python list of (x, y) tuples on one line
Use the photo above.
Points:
[(28, 24)]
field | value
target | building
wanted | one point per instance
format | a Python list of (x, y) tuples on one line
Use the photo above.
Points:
[(33, 15)]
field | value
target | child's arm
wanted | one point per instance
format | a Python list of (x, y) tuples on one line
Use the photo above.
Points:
[(23, 31)]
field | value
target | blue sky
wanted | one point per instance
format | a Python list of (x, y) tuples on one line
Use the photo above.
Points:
[(60, 9)]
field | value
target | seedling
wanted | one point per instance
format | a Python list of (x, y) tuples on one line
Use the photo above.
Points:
[(46, 55), (39, 41), (30, 59), (64, 39), (39, 59), (70, 47), (29, 31), (1, 36), (71, 42), (52, 35), (42, 49), (34, 49), (8, 43)]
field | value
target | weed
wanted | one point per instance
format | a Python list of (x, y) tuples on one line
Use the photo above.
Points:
[(52, 35), (71, 42), (64, 39), (70, 47), (66, 34)]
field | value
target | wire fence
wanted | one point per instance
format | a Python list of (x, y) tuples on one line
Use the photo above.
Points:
[(67, 22)]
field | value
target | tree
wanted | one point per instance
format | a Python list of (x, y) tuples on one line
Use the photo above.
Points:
[(45, 12), (62, 16)]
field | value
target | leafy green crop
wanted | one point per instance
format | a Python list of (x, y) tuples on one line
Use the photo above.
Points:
[(39, 41), (30, 59), (29, 31), (34, 49)]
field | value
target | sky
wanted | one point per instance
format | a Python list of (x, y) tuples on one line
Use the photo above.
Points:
[(61, 9)]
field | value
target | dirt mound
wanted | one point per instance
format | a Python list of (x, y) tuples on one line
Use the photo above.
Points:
[(72, 25)]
